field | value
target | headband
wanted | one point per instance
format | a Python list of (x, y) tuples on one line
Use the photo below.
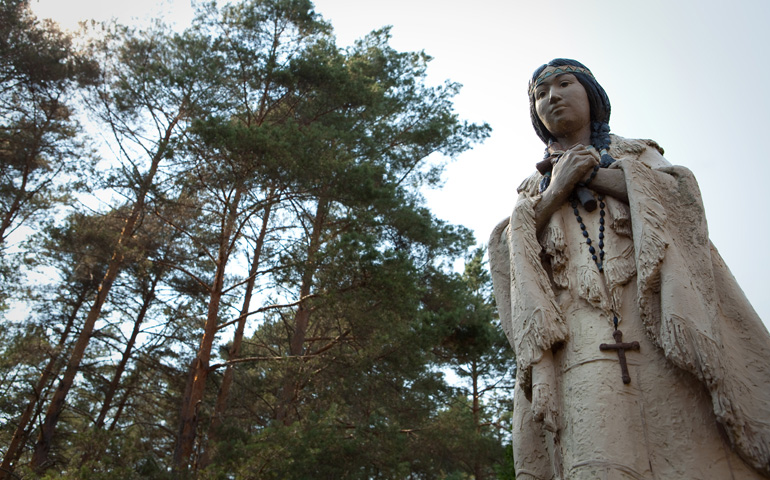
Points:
[(550, 71)]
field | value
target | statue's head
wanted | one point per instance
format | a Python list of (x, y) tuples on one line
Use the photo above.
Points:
[(597, 99)]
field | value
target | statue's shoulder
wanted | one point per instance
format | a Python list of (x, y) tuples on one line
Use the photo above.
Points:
[(530, 185), (621, 146), (644, 150)]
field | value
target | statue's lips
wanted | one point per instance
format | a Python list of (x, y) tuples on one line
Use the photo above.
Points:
[(557, 109)]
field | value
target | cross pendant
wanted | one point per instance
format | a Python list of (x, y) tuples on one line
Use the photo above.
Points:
[(621, 348)]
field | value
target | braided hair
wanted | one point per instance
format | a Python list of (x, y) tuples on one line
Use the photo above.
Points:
[(597, 99)]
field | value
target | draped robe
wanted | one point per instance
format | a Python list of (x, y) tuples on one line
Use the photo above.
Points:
[(698, 404)]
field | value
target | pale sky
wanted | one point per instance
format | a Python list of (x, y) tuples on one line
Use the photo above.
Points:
[(688, 74)]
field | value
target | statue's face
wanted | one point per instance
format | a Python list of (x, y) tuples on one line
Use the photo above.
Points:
[(562, 105)]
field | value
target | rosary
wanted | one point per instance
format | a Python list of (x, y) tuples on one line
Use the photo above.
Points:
[(619, 345), (586, 198)]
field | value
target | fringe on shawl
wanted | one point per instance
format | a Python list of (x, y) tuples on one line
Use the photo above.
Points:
[(536, 319), (554, 245), (619, 266), (618, 271), (649, 218), (619, 217)]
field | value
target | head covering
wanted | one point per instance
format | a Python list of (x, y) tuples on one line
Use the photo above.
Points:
[(549, 71)]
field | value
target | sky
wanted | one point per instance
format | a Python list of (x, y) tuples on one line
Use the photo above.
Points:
[(688, 74)]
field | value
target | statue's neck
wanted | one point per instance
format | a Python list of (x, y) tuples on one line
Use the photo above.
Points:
[(579, 137)]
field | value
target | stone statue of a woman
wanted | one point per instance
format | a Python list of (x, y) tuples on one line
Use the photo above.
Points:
[(680, 388)]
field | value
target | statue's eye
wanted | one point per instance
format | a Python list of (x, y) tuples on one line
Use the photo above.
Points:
[(564, 83), (540, 94)]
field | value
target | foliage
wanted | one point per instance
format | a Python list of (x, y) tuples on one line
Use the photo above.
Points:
[(40, 147), (273, 299)]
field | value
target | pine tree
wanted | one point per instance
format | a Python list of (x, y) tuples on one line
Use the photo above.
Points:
[(273, 297), (146, 82), (40, 145), (477, 351), (79, 250)]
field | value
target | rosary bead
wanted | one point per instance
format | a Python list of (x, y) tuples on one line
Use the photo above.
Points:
[(591, 249)]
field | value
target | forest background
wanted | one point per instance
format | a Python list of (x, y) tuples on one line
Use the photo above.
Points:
[(217, 261)]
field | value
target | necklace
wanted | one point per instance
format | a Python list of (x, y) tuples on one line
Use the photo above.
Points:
[(598, 257)]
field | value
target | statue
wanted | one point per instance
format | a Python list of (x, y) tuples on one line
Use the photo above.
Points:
[(639, 356)]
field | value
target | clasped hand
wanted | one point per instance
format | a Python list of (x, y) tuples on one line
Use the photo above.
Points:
[(574, 166)]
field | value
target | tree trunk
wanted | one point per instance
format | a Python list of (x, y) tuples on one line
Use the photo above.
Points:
[(43, 446), (122, 404), (113, 387), (227, 379), (40, 458), (199, 368), (478, 466), (21, 434), (13, 210), (302, 316)]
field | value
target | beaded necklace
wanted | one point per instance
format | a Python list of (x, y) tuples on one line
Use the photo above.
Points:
[(619, 346), (598, 259)]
